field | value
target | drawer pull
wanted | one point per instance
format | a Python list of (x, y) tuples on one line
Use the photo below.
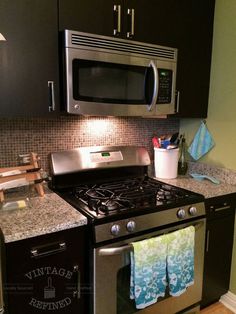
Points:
[(222, 208), (48, 250)]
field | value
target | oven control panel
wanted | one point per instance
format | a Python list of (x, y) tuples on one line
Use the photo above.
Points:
[(148, 221), (116, 228)]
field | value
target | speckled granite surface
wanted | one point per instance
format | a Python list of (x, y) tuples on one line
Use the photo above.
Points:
[(51, 213), (45, 215), (205, 187), (226, 177)]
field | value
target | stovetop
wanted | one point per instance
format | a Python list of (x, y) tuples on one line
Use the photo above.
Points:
[(111, 187), (130, 196)]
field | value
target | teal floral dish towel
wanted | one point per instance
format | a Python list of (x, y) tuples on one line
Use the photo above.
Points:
[(148, 271), (180, 260)]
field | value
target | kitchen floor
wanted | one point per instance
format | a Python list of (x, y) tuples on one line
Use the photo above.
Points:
[(217, 308)]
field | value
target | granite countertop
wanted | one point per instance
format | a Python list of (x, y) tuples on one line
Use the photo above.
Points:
[(226, 177), (51, 213), (46, 214), (205, 187)]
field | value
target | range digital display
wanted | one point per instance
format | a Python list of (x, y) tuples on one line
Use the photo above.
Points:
[(106, 154)]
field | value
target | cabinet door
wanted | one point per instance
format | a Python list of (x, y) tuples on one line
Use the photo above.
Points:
[(218, 254), (28, 57), (153, 20), (193, 36), (47, 274), (96, 17)]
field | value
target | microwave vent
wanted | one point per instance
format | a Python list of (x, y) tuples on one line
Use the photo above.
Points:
[(89, 41)]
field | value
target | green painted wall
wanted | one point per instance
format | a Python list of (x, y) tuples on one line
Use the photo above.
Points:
[(221, 119)]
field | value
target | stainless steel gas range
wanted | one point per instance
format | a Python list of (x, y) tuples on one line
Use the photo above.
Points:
[(124, 205)]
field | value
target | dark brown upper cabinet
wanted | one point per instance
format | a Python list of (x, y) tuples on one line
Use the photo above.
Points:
[(147, 21), (96, 17), (29, 58), (193, 38)]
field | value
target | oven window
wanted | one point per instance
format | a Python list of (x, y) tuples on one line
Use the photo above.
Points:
[(124, 304), (96, 81)]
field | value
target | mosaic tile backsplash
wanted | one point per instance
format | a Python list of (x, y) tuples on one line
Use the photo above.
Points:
[(42, 136)]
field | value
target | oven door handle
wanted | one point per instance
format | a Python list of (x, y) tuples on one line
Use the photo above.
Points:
[(129, 247), (115, 250)]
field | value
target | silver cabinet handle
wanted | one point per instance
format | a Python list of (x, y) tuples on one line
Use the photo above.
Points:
[(115, 250), (222, 208), (155, 89), (130, 12), (48, 250), (77, 293), (177, 100), (52, 106), (117, 10)]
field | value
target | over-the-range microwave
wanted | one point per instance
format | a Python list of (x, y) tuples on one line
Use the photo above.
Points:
[(116, 77)]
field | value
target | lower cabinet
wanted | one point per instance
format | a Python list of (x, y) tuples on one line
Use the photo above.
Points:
[(47, 274), (218, 248)]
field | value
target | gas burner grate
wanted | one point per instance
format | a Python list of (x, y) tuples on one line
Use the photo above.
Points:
[(116, 196)]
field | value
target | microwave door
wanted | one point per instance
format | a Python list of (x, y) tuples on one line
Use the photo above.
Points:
[(111, 88)]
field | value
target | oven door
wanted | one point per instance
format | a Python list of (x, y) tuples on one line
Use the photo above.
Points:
[(112, 277), (105, 83)]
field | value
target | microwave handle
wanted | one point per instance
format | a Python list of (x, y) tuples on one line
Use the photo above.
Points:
[(156, 84)]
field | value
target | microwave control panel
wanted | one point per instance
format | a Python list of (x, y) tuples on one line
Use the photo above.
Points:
[(165, 86)]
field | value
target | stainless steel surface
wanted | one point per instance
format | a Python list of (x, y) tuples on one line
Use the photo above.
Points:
[(117, 9), (110, 259), (155, 88), (79, 159), (77, 40), (85, 46), (145, 222), (130, 12), (115, 250), (52, 107)]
